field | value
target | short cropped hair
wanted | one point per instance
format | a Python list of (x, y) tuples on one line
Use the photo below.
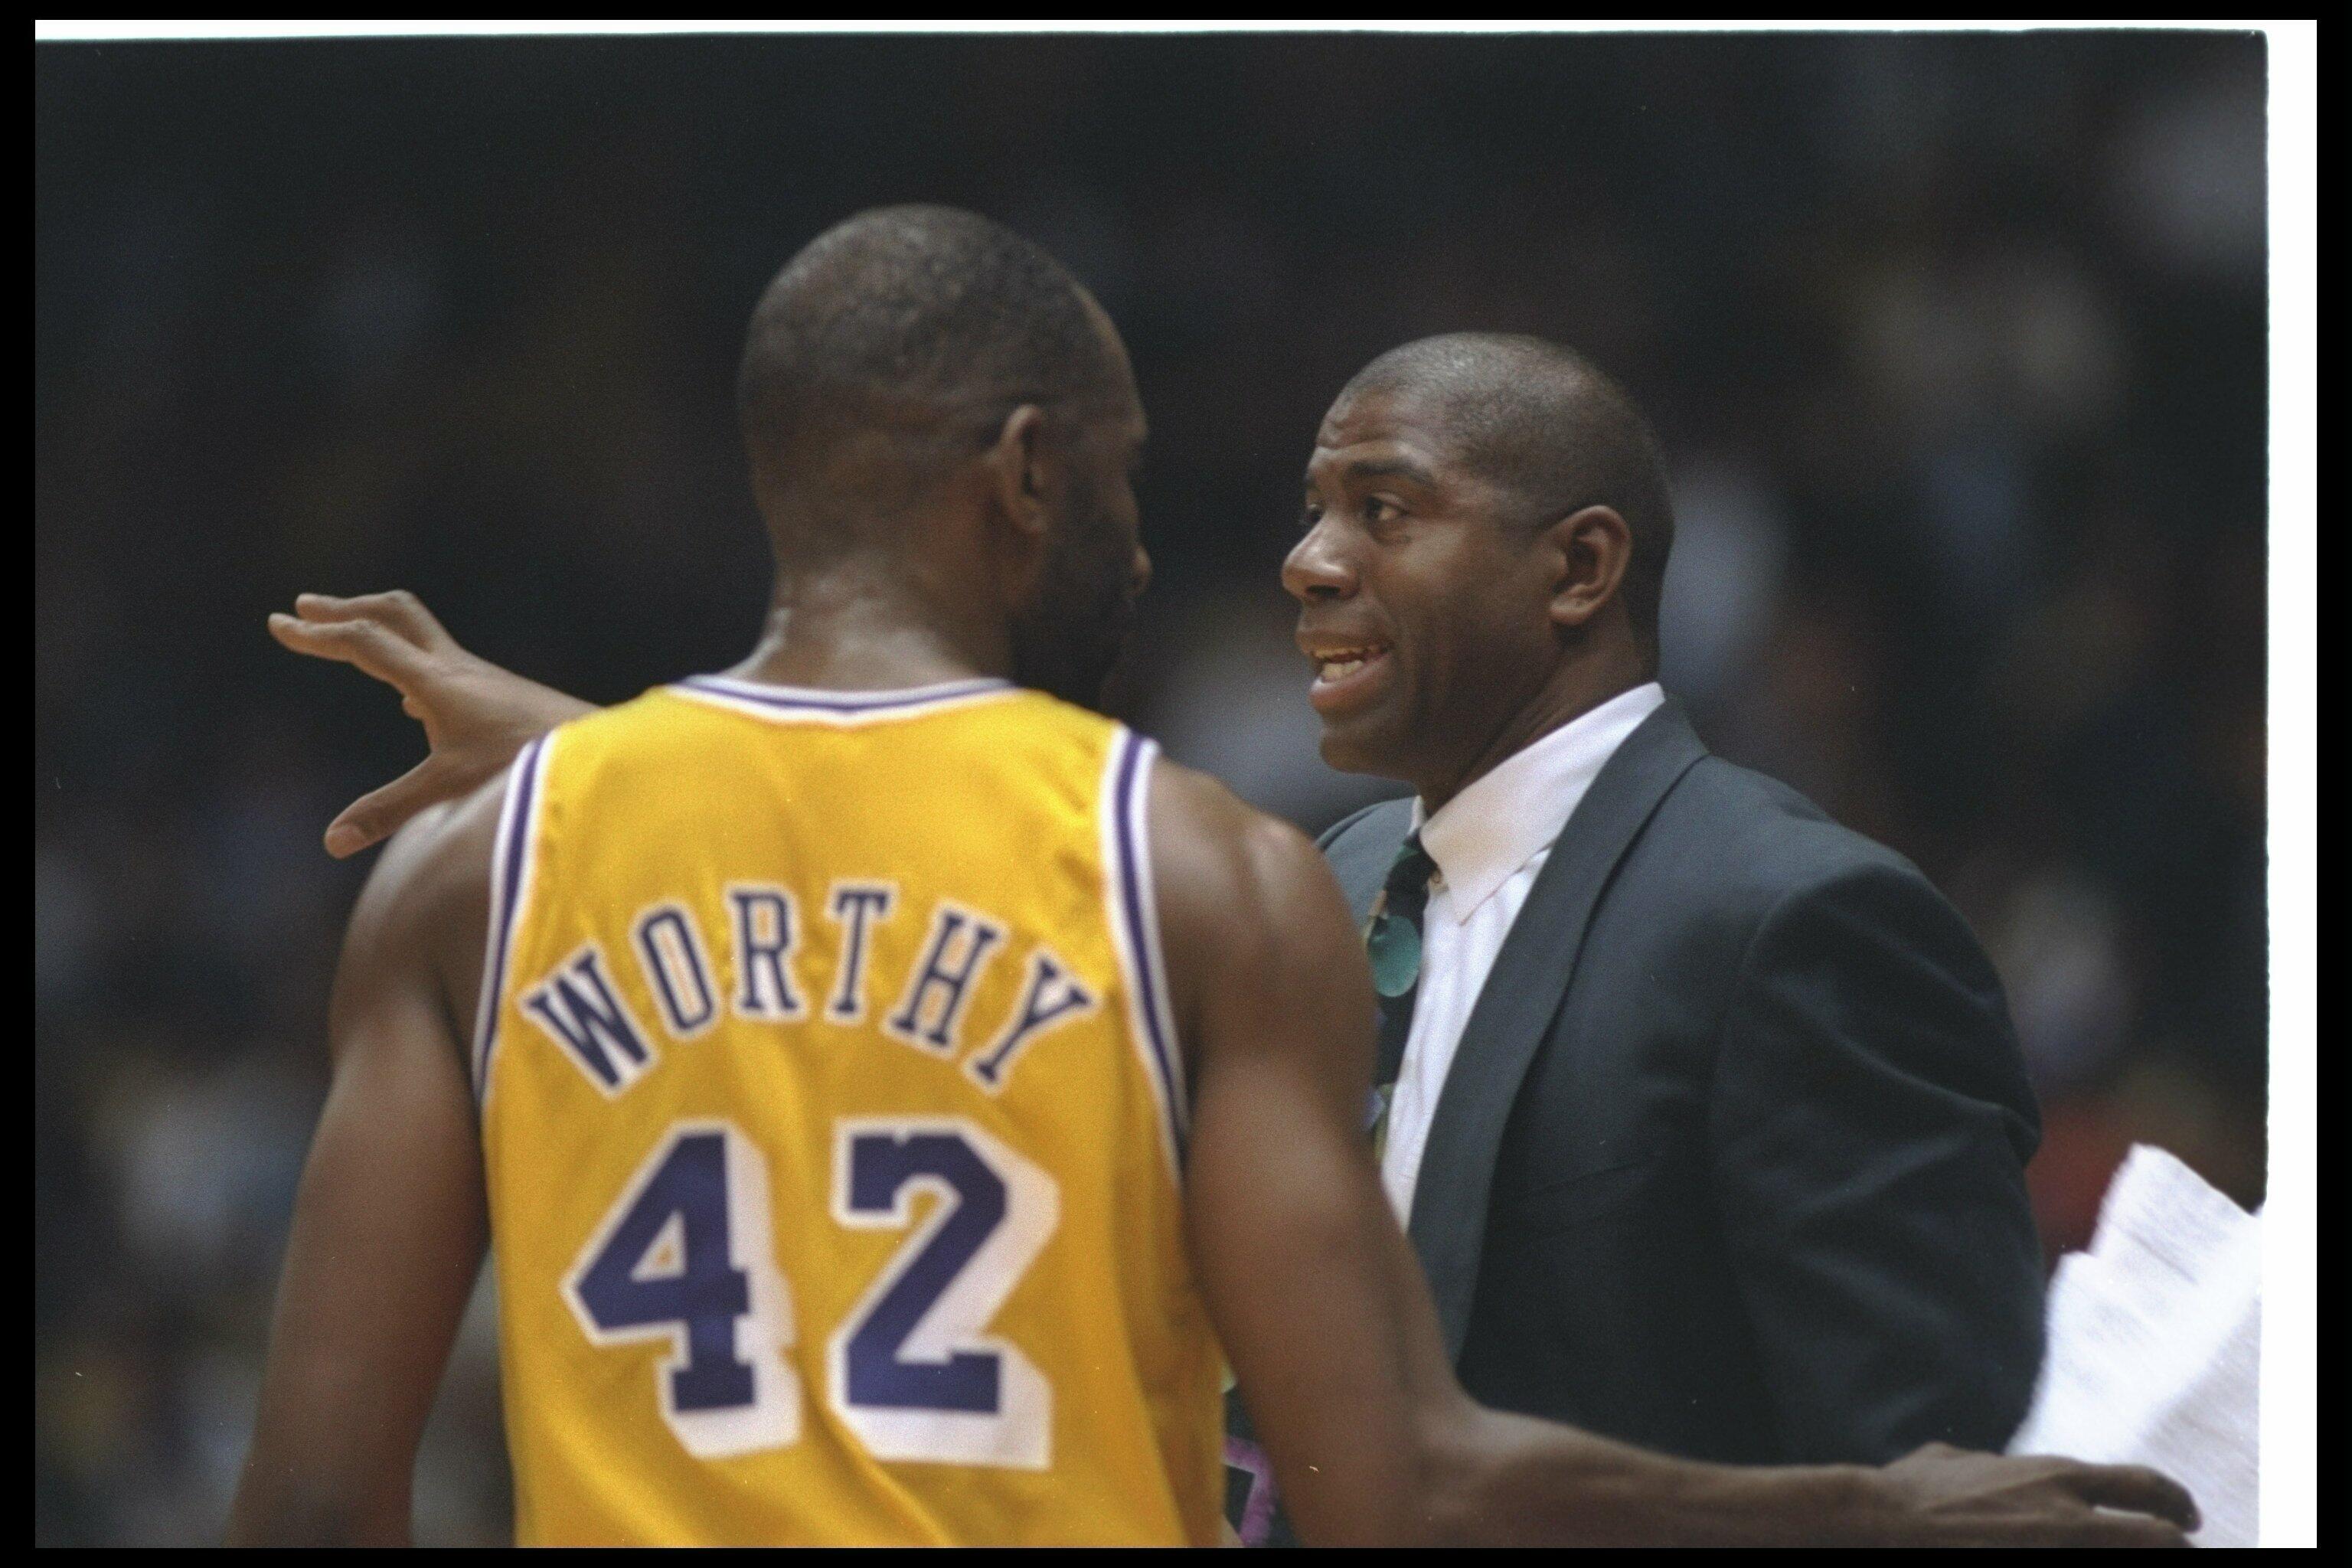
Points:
[(1546, 423), (920, 326)]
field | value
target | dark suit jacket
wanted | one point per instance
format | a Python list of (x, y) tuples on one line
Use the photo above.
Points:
[(1731, 1161)]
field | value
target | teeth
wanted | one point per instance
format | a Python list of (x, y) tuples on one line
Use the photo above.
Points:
[(1341, 665)]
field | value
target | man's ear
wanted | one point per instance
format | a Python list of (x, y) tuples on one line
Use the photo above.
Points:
[(1016, 482), (1593, 547)]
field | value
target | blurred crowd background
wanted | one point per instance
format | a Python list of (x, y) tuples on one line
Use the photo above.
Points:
[(1956, 343)]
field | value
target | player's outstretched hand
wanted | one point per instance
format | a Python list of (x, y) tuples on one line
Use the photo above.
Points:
[(476, 715), (1945, 1496)]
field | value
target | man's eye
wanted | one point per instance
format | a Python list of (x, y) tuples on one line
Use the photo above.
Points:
[(1309, 515), (1379, 508)]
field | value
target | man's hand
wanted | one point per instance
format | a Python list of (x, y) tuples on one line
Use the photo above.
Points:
[(476, 715), (1944, 1496)]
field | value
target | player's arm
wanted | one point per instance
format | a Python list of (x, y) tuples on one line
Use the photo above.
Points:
[(476, 715), (391, 1222), (1328, 1324)]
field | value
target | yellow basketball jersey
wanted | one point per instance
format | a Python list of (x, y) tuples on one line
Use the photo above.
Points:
[(832, 1118)]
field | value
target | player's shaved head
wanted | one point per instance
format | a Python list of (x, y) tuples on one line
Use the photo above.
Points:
[(894, 346), (1546, 424), (941, 417)]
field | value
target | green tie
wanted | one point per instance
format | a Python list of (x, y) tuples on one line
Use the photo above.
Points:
[(1392, 943)]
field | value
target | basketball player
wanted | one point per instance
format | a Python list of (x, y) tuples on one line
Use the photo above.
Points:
[(887, 1085)]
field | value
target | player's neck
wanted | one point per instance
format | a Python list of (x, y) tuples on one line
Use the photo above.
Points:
[(863, 628)]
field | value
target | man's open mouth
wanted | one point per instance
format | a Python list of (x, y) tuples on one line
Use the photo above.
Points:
[(1346, 675)]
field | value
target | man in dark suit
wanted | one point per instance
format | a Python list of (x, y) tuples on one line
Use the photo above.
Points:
[(1707, 1120)]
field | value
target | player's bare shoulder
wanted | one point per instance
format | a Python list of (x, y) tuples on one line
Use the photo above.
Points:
[(425, 907), (1247, 902), (1211, 846)]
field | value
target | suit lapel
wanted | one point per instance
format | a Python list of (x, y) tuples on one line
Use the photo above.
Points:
[(1521, 995), (1359, 853), (1361, 849)]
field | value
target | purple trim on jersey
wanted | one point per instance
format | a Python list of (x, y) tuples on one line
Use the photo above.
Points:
[(1126, 800), (841, 702), (1258, 1506), (510, 855)]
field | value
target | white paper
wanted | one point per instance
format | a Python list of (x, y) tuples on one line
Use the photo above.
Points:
[(2155, 1343)]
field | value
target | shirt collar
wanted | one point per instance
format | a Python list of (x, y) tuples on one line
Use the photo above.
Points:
[(1508, 816)]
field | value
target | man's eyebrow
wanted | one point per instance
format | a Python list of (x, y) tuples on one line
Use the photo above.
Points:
[(1381, 469)]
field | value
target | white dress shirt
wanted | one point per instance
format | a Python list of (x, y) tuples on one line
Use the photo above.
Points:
[(1488, 841)]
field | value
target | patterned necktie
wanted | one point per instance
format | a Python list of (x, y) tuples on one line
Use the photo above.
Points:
[(1392, 943)]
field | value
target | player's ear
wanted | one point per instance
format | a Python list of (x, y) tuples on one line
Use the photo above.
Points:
[(1016, 480), (1589, 549)]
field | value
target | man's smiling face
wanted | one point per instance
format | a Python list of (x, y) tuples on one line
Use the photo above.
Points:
[(1424, 595)]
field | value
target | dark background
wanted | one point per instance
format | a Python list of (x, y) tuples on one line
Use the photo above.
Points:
[(1957, 345)]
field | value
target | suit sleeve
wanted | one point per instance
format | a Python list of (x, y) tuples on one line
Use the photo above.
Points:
[(1871, 1122)]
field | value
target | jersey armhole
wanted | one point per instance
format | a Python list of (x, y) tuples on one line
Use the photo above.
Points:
[(1135, 927), (511, 868)]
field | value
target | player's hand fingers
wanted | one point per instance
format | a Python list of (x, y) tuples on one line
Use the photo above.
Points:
[(380, 813), (389, 658), (400, 610), (2136, 1488), (2128, 1530)]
